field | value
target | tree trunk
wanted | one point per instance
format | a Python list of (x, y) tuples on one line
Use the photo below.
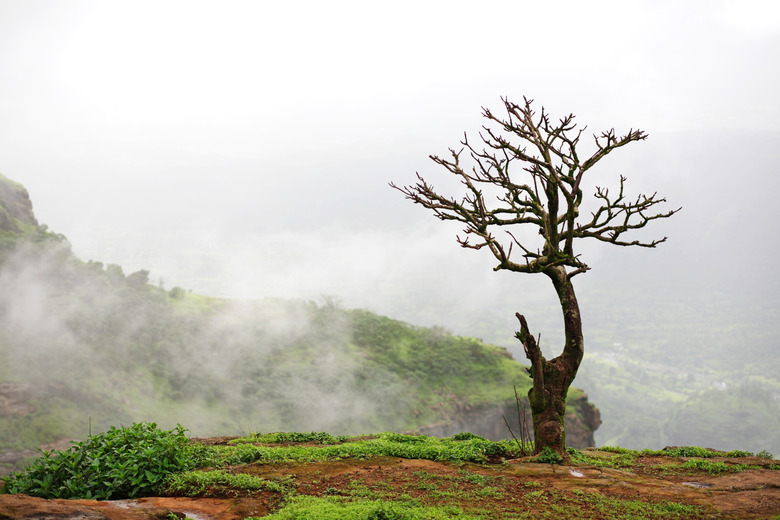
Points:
[(551, 379)]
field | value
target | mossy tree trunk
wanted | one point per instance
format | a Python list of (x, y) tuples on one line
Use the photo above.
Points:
[(552, 378)]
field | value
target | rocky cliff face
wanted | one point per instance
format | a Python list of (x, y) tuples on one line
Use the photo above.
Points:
[(582, 420), (582, 423), (15, 206)]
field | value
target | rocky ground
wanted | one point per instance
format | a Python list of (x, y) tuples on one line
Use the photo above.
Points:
[(647, 487)]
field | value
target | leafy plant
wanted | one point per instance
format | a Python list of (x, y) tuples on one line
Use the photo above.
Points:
[(739, 453), (465, 436), (548, 456), (120, 463)]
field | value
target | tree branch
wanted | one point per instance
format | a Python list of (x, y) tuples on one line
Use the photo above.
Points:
[(534, 355), (616, 216), (543, 153)]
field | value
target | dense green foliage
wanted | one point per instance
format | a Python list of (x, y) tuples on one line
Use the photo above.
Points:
[(120, 463), (443, 370)]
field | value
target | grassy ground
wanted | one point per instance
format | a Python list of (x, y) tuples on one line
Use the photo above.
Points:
[(389, 476)]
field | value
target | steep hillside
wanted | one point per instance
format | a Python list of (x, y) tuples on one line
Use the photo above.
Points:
[(85, 346)]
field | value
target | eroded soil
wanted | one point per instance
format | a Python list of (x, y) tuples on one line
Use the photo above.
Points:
[(513, 489)]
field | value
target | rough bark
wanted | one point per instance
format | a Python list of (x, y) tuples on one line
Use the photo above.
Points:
[(552, 378)]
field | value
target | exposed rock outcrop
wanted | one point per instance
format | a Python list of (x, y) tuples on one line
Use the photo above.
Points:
[(15, 399), (15, 206)]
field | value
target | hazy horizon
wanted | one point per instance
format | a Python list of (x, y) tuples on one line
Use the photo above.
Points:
[(245, 151)]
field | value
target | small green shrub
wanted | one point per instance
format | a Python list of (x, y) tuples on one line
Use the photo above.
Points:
[(738, 453), (690, 451), (120, 463), (465, 436), (549, 456)]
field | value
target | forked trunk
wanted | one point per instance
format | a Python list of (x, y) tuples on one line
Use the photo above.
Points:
[(551, 379)]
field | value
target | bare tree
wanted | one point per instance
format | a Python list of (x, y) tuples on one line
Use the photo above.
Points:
[(526, 172)]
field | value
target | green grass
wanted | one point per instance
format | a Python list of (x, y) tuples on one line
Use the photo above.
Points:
[(474, 449), (219, 482), (337, 508), (696, 451), (613, 508), (708, 466), (474, 502), (683, 451), (283, 437), (621, 458), (698, 459), (143, 460)]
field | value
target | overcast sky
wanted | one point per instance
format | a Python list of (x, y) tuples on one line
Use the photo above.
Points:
[(244, 148)]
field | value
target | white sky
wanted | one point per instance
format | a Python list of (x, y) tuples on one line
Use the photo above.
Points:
[(244, 148)]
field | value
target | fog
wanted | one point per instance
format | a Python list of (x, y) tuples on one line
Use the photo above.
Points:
[(87, 336), (244, 150)]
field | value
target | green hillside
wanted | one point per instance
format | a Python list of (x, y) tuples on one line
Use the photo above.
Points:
[(85, 346)]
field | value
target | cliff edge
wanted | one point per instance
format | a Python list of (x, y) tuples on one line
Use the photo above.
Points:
[(16, 210)]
